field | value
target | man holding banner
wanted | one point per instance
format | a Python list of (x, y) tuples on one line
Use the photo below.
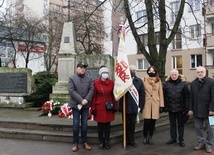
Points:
[(123, 80), (134, 100)]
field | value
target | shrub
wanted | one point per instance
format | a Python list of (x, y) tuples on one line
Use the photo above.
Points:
[(43, 88)]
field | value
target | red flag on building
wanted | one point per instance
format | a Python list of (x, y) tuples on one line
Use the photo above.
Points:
[(123, 80)]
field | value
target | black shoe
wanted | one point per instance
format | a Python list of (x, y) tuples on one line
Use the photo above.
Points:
[(101, 146), (132, 144), (145, 140), (107, 146), (171, 141), (181, 144), (150, 141)]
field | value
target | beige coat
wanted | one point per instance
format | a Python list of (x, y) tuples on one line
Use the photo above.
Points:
[(154, 99)]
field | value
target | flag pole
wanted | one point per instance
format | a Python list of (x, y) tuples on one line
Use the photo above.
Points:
[(124, 122)]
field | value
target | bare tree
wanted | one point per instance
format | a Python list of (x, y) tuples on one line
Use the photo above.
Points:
[(155, 56), (25, 30), (88, 20), (54, 31)]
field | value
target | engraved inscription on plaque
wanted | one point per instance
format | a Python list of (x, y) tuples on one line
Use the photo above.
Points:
[(13, 82), (93, 73), (66, 39)]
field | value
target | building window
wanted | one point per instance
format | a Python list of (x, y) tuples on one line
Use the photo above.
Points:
[(195, 4), (195, 31), (210, 2), (212, 29), (156, 13), (177, 41), (213, 59), (145, 38), (196, 60), (141, 16), (145, 16), (175, 7), (142, 64), (177, 63)]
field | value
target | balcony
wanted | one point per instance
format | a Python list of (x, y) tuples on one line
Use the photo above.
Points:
[(210, 42), (210, 12)]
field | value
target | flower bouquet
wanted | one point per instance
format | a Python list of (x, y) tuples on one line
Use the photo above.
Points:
[(66, 111), (50, 108)]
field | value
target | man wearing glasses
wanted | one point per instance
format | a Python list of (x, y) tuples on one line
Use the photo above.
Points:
[(201, 106)]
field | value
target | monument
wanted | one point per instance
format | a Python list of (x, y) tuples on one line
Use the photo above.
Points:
[(66, 63), (67, 60), (15, 85)]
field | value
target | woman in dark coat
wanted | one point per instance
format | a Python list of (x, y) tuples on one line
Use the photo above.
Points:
[(103, 92)]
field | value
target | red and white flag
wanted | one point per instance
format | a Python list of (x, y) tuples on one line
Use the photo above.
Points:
[(123, 80)]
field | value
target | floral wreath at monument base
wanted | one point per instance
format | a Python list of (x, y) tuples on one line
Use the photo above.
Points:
[(50, 108)]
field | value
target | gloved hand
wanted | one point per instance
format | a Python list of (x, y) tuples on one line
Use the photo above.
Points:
[(94, 113), (161, 109)]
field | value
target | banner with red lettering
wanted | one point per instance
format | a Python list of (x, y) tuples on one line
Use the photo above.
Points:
[(123, 81)]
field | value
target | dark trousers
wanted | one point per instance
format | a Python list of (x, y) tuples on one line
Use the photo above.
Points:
[(103, 131), (149, 127), (130, 127), (77, 114), (175, 119)]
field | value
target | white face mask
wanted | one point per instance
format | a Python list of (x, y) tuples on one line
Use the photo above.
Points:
[(105, 75)]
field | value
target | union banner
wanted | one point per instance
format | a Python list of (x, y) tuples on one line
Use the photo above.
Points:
[(123, 81)]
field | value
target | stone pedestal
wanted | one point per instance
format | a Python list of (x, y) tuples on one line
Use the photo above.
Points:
[(66, 63)]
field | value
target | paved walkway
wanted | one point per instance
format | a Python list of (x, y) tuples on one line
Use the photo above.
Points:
[(25, 147)]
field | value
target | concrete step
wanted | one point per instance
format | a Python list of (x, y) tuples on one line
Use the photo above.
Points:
[(63, 133), (18, 106)]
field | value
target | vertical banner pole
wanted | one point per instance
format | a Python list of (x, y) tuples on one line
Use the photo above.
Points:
[(124, 122)]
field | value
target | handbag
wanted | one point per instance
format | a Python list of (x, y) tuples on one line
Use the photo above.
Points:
[(109, 105)]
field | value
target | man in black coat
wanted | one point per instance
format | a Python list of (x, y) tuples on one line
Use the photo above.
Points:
[(201, 106), (176, 96), (132, 108)]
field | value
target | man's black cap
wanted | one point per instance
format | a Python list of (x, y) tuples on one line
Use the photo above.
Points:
[(82, 64)]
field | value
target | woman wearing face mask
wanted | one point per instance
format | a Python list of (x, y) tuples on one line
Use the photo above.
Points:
[(103, 92), (154, 103)]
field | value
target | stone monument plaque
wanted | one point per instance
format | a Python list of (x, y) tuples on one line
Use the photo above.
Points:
[(93, 73), (13, 82)]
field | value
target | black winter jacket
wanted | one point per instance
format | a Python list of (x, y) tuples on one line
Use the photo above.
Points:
[(176, 94), (131, 106)]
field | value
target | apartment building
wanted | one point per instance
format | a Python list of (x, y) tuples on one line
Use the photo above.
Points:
[(19, 9), (193, 47), (54, 13)]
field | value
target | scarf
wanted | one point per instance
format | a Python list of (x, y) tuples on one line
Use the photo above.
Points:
[(152, 81)]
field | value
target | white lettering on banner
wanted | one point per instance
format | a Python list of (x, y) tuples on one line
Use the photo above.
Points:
[(133, 91)]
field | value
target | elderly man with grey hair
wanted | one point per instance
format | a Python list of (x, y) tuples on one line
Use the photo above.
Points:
[(201, 106), (176, 97)]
